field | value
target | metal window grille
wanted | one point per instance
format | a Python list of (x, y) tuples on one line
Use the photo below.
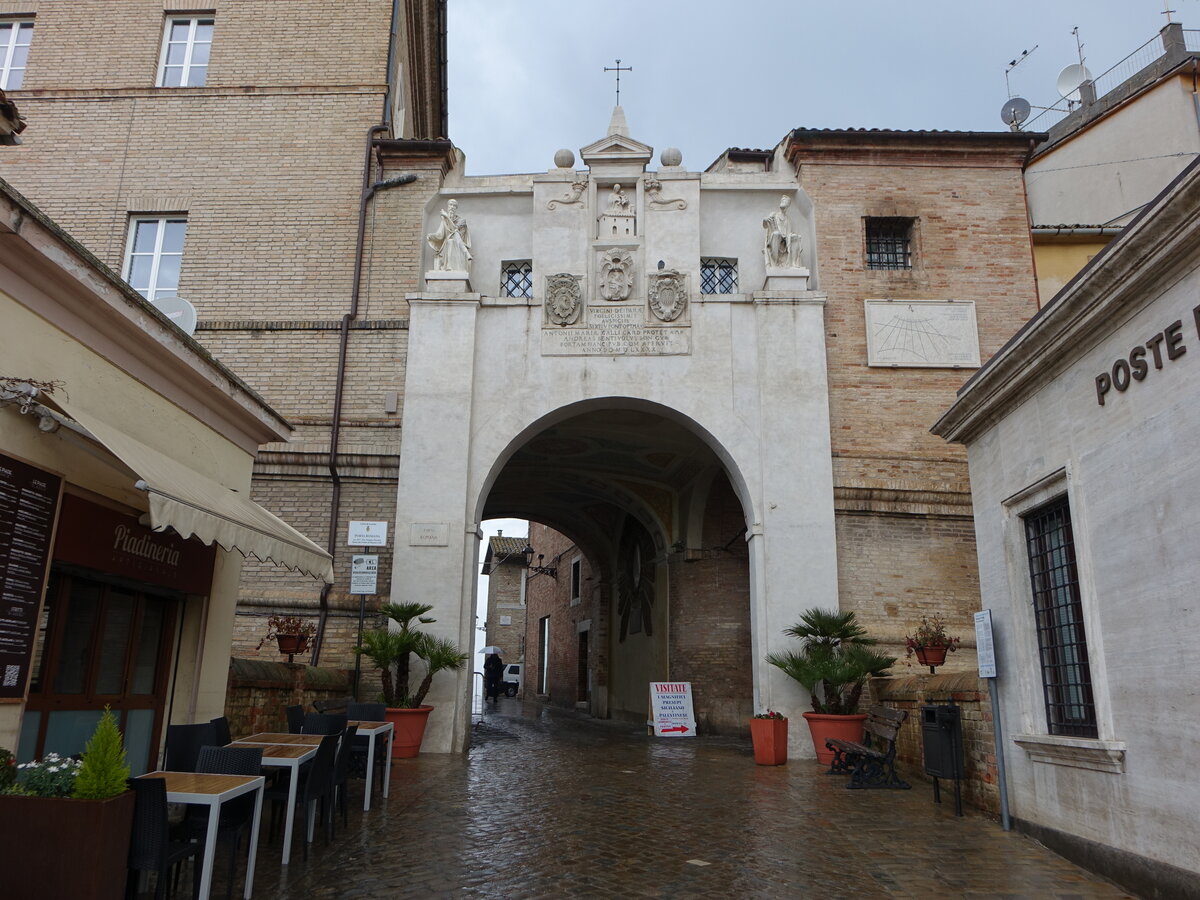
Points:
[(516, 279), (718, 276), (1058, 612), (889, 243)]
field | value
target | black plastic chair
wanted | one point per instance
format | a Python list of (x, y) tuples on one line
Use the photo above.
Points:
[(150, 847), (295, 718), (341, 772), (316, 784), (236, 814), (323, 723), (221, 724), (184, 743), (368, 712)]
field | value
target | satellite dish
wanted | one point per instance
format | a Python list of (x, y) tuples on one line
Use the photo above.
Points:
[(179, 311), (1069, 80), (1014, 112)]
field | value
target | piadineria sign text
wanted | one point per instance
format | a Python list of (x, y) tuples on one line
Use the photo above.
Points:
[(1160, 349), (671, 709)]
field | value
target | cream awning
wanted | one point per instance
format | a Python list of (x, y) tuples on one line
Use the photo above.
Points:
[(193, 504)]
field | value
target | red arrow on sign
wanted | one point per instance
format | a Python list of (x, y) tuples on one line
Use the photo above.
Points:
[(679, 728)]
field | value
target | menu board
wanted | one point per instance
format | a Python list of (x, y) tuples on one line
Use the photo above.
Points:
[(28, 503)]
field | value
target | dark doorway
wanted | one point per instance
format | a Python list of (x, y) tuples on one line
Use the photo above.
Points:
[(584, 694)]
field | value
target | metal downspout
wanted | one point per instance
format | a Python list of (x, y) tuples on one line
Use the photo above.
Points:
[(335, 501)]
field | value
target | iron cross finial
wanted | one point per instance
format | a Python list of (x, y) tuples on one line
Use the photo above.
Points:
[(618, 68)]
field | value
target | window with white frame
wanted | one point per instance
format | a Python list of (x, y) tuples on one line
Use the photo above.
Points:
[(1058, 614), (153, 255), (576, 580), (516, 278), (15, 36), (718, 275), (186, 45)]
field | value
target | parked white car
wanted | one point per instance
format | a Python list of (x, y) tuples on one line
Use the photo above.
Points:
[(511, 679)]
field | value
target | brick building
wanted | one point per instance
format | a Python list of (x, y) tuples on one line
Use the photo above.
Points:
[(504, 564), (716, 384), (244, 137)]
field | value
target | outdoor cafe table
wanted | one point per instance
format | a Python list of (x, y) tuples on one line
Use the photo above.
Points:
[(212, 791), (285, 756), (370, 730)]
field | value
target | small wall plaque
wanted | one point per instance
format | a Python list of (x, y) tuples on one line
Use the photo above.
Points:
[(429, 534)]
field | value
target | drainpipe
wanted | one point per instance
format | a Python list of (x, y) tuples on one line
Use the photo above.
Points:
[(1195, 96), (389, 99), (369, 190), (1037, 294)]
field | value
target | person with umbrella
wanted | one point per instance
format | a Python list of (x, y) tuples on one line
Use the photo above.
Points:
[(493, 672)]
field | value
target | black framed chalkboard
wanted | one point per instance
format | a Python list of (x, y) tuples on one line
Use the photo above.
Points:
[(29, 500)]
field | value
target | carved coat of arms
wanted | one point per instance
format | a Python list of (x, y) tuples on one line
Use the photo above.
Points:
[(563, 298), (616, 275), (668, 295)]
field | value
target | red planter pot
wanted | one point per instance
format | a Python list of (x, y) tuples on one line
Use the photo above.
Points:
[(291, 643), (770, 738), (410, 730), (65, 848), (930, 656), (822, 727)]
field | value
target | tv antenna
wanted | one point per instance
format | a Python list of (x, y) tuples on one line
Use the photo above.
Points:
[(1013, 64), (1014, 112), (618, 68), (1069, 80)]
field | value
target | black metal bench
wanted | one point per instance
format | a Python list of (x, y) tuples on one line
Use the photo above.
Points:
[(871, 764)]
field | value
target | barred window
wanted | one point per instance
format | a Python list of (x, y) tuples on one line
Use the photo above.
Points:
[(718, 276), (889, 243), (1058, 612), (516, 278)]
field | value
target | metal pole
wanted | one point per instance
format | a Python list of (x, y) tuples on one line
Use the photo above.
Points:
[(1005, 821), (362, 608)]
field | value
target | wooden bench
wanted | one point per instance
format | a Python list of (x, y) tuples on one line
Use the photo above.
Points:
[(871, 764)]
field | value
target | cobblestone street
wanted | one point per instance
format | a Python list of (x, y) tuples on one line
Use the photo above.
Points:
[(548, 804)]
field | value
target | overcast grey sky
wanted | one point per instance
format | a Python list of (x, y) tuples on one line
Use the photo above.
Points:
[(525, 75)]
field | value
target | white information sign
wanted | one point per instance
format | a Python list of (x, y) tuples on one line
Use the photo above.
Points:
[(429, 534), (364, 574), (922, 333), (367, 534), (985, 650), (671, 709)]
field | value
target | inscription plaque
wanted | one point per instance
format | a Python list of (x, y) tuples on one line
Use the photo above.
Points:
[(28, 504), (617, 331)]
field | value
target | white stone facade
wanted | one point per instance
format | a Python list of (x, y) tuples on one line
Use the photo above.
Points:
[(1096, 401)]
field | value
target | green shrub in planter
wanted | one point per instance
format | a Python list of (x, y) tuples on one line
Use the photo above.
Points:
[(104, 772)]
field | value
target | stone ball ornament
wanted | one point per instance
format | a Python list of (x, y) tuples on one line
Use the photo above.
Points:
[(671, 156), (564, 158)]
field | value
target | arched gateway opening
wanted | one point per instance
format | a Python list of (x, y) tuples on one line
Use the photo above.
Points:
[(648, 577)]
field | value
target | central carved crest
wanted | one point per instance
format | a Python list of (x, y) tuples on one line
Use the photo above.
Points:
[(616, 275), (668, 295)]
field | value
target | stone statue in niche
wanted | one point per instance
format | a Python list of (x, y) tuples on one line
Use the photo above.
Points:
[(451, 242), (616, 275), (563, 298), (781, 245), (668, 295), (619, 218), (574, 198), (657, 200), (618, 203)]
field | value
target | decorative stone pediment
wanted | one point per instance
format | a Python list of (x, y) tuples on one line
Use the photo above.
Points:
[(616, 148)]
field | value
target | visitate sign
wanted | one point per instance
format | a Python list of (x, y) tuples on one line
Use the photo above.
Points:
[(671, 709)]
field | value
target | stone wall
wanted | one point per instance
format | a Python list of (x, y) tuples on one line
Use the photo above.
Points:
[(258, 692), (970, 693)]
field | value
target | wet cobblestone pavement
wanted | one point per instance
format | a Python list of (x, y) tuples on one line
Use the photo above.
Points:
[(551, 805)]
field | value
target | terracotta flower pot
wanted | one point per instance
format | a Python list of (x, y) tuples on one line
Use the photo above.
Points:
[(823, 727), (410, 729), (770, 738), (291, 643), (90, 836), (930, 656)]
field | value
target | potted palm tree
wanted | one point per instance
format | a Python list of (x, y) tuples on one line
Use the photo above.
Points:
[(833, 664), (391, 650)]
